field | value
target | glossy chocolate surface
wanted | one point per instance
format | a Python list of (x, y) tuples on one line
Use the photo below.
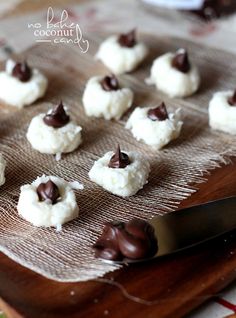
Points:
[(181, 61), (48, 191), (133, 240), (232, 99), (159, 113), (119, 159), (57, 118), (110, 83), (22, 71), (128, 39)]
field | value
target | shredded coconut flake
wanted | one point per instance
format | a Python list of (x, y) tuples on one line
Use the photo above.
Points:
[(58, 228), (58, 156), (76, 185)]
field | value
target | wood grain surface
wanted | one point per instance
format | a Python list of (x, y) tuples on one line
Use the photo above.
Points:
[(169, 287)]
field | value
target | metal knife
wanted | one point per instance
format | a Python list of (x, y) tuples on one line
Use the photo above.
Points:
[(188, 227)]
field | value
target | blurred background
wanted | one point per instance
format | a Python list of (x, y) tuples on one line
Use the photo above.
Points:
[(210, 22)]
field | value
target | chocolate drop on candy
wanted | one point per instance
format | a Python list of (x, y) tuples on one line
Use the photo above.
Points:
[(181, 61), (57, 117), (232, 99), (119, 159), (134, 240), (158, 113), (128, 39), (110, 83), (48, 191), (22, 71)]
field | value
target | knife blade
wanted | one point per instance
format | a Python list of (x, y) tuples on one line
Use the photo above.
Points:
[(191, 226)]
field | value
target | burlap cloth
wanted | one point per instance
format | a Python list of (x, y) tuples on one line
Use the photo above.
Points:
[(67, 255)]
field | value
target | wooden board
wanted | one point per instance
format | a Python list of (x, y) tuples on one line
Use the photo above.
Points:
[(169, 287)]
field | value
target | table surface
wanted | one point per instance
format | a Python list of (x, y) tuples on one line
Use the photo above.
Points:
[(168, 287)]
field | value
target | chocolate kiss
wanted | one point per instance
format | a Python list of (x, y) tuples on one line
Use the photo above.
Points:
[(107, 250), (57, 117), (48, 191), (232, 99), (22, 71), (110, 83), (128, 39), (106, 246), (137, 239), (158, 113), (119, 159), (181, 61)]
